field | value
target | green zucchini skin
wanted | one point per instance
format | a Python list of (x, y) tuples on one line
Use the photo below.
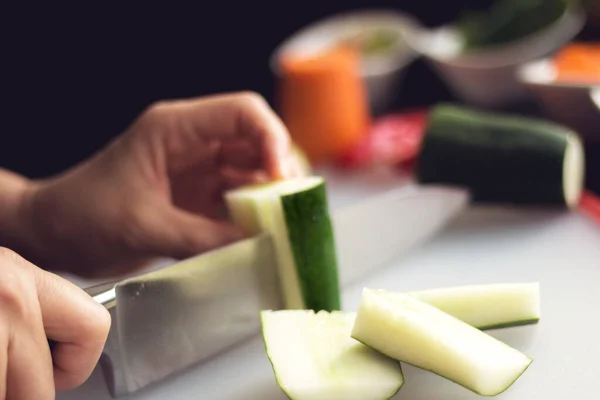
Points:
[(514, 324), (501, 159), (312, 241)]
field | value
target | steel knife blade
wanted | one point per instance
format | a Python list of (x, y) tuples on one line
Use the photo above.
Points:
[(167, 320)]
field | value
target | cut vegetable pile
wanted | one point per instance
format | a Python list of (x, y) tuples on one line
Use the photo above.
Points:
[(319, 352), (295, 212), (342, 355)]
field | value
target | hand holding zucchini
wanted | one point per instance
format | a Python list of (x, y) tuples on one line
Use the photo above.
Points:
[(502, 159)]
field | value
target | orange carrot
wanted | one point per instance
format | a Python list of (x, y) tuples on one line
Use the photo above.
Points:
[(578, 63), (323, 103)]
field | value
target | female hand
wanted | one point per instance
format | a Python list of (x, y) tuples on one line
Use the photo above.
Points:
[(36, 305), (156, 191)]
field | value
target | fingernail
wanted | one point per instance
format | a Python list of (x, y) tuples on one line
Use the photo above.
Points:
[(283, 147), (287, 168)]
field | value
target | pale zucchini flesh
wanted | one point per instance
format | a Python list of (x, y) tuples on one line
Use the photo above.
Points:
[(314, 357), (295, 213), (411, 331), (244, 203), (489, 306)]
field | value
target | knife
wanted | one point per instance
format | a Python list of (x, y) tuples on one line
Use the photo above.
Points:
[(167, 320)]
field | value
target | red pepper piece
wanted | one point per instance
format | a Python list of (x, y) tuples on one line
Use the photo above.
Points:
[(392, 140)]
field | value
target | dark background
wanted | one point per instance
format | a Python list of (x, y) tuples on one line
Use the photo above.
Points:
[(74, 77)]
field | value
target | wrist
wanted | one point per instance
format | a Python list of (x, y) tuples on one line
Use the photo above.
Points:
[(16, 220)]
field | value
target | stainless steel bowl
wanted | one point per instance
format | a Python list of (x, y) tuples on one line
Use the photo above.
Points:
[(382, 73)]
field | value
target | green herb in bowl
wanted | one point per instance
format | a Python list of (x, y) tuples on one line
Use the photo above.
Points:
[(508, 21), (375, 42)]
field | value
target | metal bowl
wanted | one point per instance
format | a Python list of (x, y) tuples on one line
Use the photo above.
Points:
[(382, 73), (488, 78)]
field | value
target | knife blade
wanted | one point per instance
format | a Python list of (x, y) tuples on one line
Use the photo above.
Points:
[(167, 320)]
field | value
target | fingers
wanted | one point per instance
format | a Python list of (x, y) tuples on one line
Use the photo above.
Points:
[(26, 365), (79, 325), (3, 355), (29, 374), (242, 154), (296, 169), (235, 177), (188, 234), (239, 115)]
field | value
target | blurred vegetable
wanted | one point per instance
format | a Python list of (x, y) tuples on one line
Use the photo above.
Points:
[(578, 63), (324, 103), (502, 159), (508, 21), (391, 140), (590, 205)]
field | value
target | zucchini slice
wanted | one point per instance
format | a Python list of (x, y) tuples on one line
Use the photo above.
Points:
[(411, 331), (295, 212), (491, 306), (502, 158), (314, 357)]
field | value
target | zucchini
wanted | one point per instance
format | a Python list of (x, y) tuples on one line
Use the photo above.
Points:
[(501, 158), (295, 212), (492, 306), (314, 357), (411, 331)]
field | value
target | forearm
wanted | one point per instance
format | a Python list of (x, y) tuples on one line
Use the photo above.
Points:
[(14, 220)]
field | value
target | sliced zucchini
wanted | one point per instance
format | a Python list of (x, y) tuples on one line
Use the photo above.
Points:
[(295, 212), (314, 357), (409, 330), (502, 159), (487, 306)]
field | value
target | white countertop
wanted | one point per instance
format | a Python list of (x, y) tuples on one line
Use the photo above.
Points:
[(561, 251)]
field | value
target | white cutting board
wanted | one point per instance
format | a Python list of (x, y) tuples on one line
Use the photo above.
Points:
[(561, 251)]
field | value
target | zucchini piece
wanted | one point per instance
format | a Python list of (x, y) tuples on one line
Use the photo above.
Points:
[(314, 357), (411, 331), (492, 306), (295, 212), (501, 158)]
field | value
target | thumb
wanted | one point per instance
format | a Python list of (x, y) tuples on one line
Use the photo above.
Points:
[(187, 234)]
